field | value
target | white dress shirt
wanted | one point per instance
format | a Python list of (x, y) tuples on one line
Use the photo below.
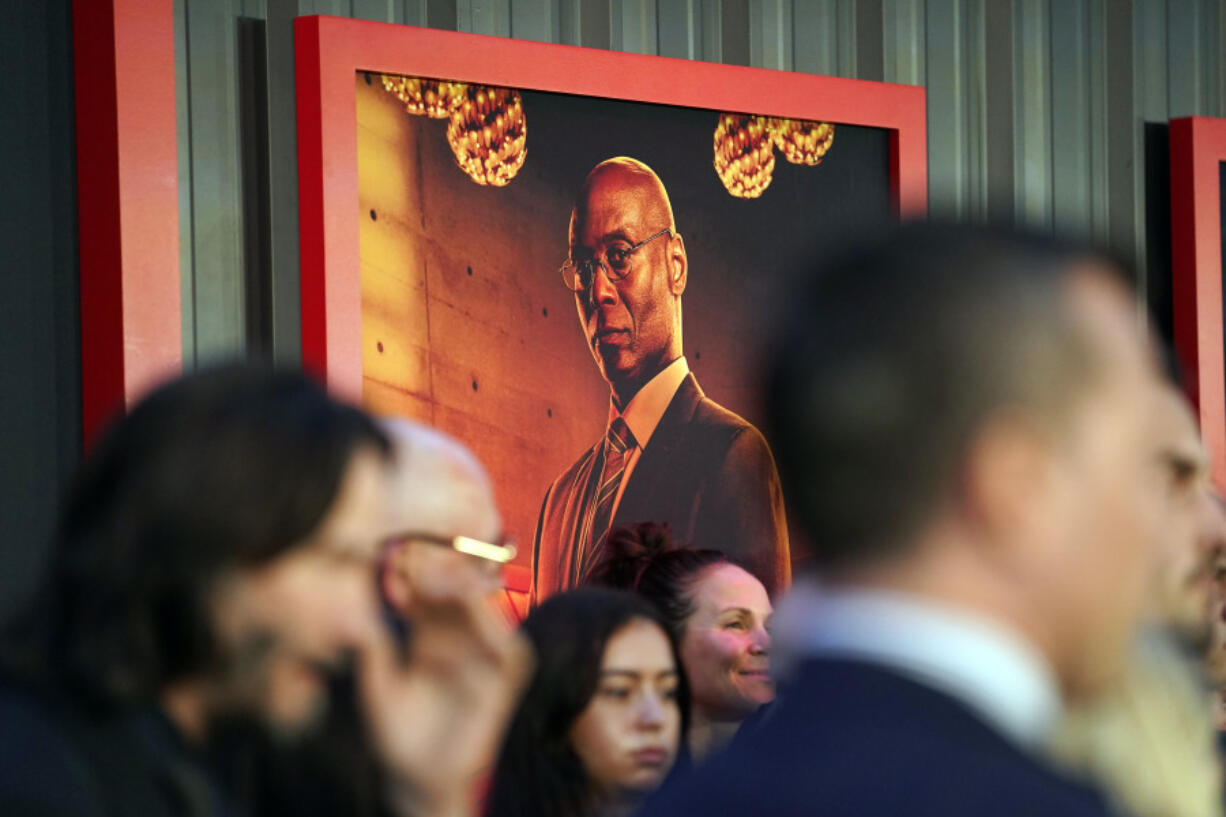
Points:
[(643, 414), (979, 662)]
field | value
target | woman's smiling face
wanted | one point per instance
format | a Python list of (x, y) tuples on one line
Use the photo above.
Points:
[(725, 646)]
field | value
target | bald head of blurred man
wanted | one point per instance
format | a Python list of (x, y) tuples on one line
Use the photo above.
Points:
[(439, 491), (438, 710), (630, 269)]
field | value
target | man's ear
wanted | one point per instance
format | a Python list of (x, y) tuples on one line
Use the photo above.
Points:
[(678, 265), (1006, 470)]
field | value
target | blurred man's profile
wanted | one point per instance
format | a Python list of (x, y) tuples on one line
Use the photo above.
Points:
[(216, 563), (1149, 739), (964, 424)]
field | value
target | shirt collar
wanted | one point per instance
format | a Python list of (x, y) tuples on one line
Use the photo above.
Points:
[(645, 409), (979, 662)]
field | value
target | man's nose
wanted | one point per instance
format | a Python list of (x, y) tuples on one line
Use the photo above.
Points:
[(601, 290)]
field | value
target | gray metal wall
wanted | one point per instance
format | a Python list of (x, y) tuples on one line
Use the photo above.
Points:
[(1045, 113), (40, 340)]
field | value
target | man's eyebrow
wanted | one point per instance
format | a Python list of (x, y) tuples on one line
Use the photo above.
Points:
[(1184, 462)]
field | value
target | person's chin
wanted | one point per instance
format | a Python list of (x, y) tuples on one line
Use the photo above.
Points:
[(645, 780), (758, 689), (616, 362)]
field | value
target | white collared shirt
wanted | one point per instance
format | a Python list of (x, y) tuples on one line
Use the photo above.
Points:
[(643, 414), (979, 662)]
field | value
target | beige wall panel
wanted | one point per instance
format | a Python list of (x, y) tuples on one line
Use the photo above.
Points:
[(388, 401)]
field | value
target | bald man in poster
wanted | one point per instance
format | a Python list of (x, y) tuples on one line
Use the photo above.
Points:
[(669, 454)]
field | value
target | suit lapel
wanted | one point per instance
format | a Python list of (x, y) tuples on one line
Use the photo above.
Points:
[(645, 480)]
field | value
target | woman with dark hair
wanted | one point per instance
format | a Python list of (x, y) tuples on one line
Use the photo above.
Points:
[(718, 614), (603, 719)]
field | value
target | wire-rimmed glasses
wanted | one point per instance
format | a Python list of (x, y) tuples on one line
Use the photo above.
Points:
[(577, 275)]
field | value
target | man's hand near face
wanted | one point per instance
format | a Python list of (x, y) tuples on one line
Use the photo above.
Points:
[(437, 713)]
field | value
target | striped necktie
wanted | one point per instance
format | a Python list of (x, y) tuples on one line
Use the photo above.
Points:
[(617, 447)]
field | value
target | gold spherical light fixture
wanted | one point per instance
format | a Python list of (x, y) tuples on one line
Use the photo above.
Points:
[(800, 141), (744, 154), (425, 97), (488, 134)]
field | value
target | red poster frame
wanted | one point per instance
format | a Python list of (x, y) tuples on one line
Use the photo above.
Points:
[(127, 202), (1198, 147), (330, 50)]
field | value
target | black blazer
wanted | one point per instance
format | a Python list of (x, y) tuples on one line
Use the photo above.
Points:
[(706, 473), (60, 759), (851, 739)]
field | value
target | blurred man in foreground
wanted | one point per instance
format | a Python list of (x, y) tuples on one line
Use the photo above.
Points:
[(444, 540), (1149, 740), (965, 426), (1215, 651), (216, 562)]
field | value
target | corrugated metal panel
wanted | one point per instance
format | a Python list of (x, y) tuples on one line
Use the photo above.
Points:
[(40, 335), (634, 26), (946, 77), (1072, 109), (1032, 113), (902, 44), (217, 297), (1037, 108), (772, 31), (484, 17), (535, 20), (680, 32)]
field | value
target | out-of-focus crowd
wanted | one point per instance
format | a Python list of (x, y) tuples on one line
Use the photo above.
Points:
[(261, 600)]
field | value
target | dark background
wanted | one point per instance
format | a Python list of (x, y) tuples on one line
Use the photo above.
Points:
[(40, 361)]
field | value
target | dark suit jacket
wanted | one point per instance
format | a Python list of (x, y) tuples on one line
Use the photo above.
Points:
[(59, 759), (856, 740), (706, 473)]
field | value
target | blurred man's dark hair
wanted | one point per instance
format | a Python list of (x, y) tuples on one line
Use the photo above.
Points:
[(876, 422), (228, 467), (965, 425)]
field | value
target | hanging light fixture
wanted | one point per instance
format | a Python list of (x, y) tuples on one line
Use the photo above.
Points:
[(744, 154), (488, 134), (800, 141), (425, 97)]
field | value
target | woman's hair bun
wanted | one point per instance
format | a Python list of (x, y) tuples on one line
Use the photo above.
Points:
[(629, 551)]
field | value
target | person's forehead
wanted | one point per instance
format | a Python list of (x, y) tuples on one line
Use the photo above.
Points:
[(727, 585), (639, 646), (615, 199), (444, 502)]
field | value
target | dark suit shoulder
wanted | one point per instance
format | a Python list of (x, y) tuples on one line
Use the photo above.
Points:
[(852, 739), (703, 415), (42, 770), (711, 428), (572, 472)]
